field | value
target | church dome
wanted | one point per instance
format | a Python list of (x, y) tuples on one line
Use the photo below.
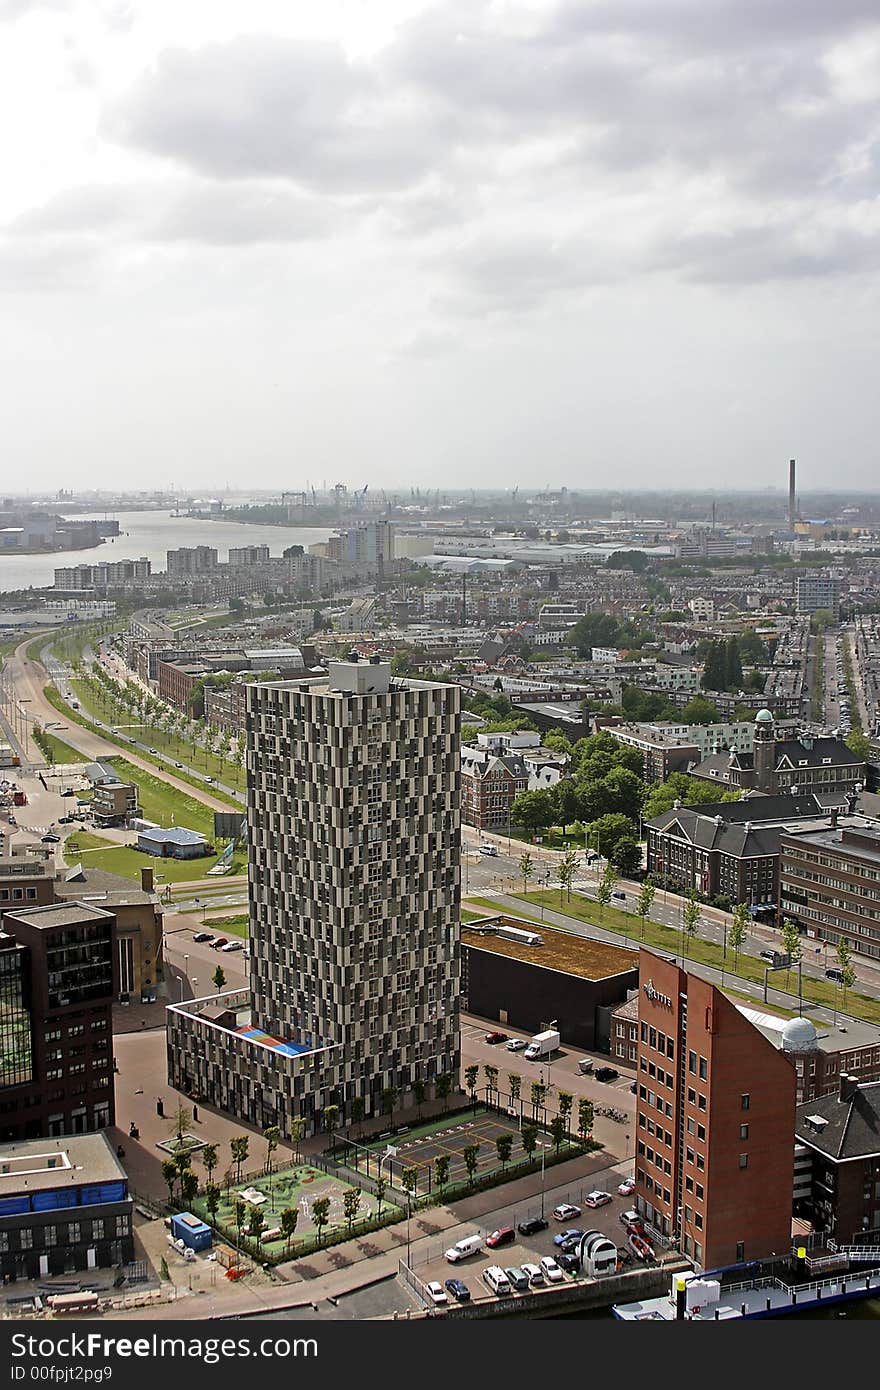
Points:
[(799, 1035), (763, 717)]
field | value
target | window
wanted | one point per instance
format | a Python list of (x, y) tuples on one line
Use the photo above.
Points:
[(701, 1131), (744, 1101), (692, 1062), (743, 1160), (691, 1126), (698, 1221), (701, 1162), (740, 1251), (702, 1103), (50, 1236), (743, 1131), (689, 1184), (704, 1069), (692, 1096), (26, 1236)]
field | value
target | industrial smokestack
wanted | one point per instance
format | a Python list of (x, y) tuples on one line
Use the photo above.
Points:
[(792, 508)]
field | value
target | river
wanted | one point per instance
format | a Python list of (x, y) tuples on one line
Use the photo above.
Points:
[(152, 533)]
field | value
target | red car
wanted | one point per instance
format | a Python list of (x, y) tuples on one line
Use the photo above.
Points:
[(506, 1235), (496, 1037), (220, 941)]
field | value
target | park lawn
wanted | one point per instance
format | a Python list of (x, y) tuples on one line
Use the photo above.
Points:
[(82, 718), (467, 916), (231, 926), (178, 749), (61, 752), (94, 852), (164, 804), (670, 940)]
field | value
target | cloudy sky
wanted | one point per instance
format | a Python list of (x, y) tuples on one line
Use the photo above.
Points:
[(272, 242)]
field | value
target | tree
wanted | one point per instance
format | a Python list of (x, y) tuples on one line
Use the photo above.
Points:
[(228, 1178), (491, 1077), (469, 1154), (239, 1212), (566, 803), (565, 871), (626, 856), (443, 1087), (389, 1101), (212, 1201), (189, 1186), (504, 1148), (733, 671), (331, 1123), (566, 1101), (699, 711), (296, 1133), (441, 1172), (272, 1136), (527, 869), (256, 1224), (356, 1111), (847, 972), (514, 1082), (409, 1181), (585, 1117), (644, 904), (606, 886), (791, 945), (288, 1222), (538, 1097), (380, 1187), (603, 834), (533, 810), (419, 1093), (320, 1214), (169, 1175), (690, 919), (857, 742), (239, 1147), (181, 1124), (351, 1202), (470, 1080), (210, 1158), (557, 1130), (528, 1137), (219, 978), (736, 932)]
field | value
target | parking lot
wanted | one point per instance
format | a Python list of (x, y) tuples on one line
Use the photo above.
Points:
[(431, 1264)]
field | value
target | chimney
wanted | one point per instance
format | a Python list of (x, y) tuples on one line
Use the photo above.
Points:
[(848, 1087), (147, 879), (792, 509)]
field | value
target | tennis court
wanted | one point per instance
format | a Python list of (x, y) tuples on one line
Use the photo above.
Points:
[(422, 1145)]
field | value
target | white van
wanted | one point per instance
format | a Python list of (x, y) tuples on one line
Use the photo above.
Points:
[(489, 849), (463, 1249), (497, 1280)]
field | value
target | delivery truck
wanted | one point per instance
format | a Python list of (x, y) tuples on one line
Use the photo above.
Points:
[(542, 1045)]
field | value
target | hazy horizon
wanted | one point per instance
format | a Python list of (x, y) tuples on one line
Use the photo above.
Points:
[(461, 243)]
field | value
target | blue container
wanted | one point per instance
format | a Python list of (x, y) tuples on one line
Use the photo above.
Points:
[(192, 1231)]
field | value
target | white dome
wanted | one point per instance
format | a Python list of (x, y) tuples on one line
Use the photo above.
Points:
[(799, 1035)]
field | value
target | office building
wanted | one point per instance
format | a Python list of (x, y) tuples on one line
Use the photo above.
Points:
[(56, 977), (714, 1122), (353, 841), (64, 1206), (818, 591), (787, 764), (829, 882)]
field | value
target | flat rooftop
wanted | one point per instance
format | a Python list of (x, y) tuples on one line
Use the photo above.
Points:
[(561, 950), (39, 1165), (60, 915)]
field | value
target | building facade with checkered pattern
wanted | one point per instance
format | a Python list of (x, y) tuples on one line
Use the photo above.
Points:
[(354, 847)]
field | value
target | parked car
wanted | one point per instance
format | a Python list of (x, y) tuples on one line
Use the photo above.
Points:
[(50, 839), (463, 1249), (632, 1221), (519, 1280), (516, 1044), (552, 1272), (534, 1272), (606, 1073), (491, 850), (218, 942), (532, 1225), (505, 1235), (202, 936), (597, 1199), (834, 974), (233, 946), (562, 1236), (627, 1187), (436, 1292), (459, 1289), (566, 1211), (570, 1246), (495, 1038), (618, 894), (68, 791), (153, 750), (178, 764), (210, 780), (585, 1066), (65, 820), (570, 1261), (497, 1280)]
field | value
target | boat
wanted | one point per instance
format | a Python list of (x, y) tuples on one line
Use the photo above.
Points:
[(640, 1247)]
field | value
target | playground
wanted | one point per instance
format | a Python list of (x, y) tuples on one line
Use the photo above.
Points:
[(420, 1146), (295, 1187)]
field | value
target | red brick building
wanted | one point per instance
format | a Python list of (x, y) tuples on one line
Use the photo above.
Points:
[(714, 1122), (841, 1133)]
